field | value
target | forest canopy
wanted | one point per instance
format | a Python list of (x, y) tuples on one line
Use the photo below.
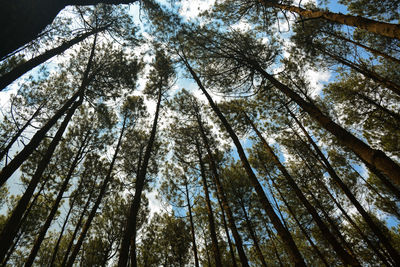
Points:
[(200, 133)]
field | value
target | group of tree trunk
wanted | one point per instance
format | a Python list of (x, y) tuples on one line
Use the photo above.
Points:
[(275, 171)]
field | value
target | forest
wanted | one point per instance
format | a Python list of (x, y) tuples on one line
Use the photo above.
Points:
[(200, 133)]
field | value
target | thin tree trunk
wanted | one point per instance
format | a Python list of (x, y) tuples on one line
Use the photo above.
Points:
[(375, 159), (60, 236), (16, 162), (11, 227), (302, 229), (54, 209), (375, 229), (12, 249), (77, 227), (96, 205), (345, 257), (370, 49), (285, 235), (131, 224), (221, 193), (23, 68), (211, 222), (373, 26), (4, 152), (194, 247), (392, 86), (253, 235), (378, 106)]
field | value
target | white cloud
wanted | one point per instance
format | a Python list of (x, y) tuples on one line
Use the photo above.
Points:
[(316, 79), (191, 9)]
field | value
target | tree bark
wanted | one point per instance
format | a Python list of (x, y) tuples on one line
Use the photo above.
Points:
[(345, 257), (253, 235), (11, 227), (96, 205), (376, 159), (211, 222), (194, 247), (53, 211), (377, 231), (131, 223), (24, 20), (285, 235), (16, 162), (302, 229), (222, 196), (23, 68), (373, 26)]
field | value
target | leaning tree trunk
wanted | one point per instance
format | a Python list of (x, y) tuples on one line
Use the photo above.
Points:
[(375, 159), (16, 162), (4, 152), (96, 205), (302, 229), (11, 227), (228, 237), (54, 209), (194, 246), (221, 193), (370, 74), (345, 257), (285, 235), (22, 21), (253, 235), (370, 49), (211, 222), (76, 228), (375, 229), (23, 68), (381, 28), (131, 223)]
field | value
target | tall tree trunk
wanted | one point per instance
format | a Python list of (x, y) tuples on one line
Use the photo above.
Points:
[(380, 107), (370, 49), (96, 205), (345, 257), (211, 222), (392, 86), (194, 246), (60, 236), (376, 159), (11, 227), (285, 235), (228, 237), (131, 224), (375, 229), (54, 209), (381, 28), (302, 229), (253, 235), (77, 227), (15, 137), (23, 21), (12, 249), (221, 193), (23, 68), (16, 162)]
